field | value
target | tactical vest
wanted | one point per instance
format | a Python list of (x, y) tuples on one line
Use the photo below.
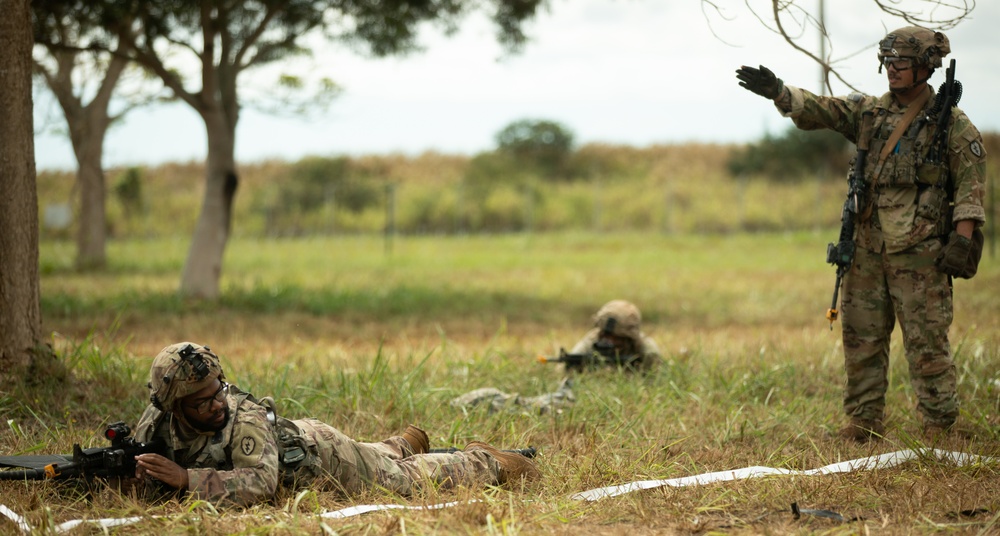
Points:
[(910, 195), (297, 454), (214, 451)]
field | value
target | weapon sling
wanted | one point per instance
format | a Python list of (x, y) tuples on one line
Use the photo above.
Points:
[(864, 139), (911, 113)]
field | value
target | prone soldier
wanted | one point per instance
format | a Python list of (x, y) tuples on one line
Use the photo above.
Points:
[(616, 340), (228, 447)]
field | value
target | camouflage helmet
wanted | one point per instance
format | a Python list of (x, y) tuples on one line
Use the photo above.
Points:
[(925, 47), (179, 370), (619, 317)]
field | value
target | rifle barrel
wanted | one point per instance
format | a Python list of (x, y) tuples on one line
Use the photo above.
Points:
[(23, 474)]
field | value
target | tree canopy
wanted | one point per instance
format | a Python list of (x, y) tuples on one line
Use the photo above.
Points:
[(226, 38), (542, 144)]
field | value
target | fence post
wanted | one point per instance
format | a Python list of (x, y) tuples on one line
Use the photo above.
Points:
[(390, 216), (597, 202), (991, 221), (330, 207)]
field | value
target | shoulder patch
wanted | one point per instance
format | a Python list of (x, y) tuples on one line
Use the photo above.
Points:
[(976, 148), (247, 446)]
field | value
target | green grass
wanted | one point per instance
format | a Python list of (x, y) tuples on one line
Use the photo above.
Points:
[(338, 329)]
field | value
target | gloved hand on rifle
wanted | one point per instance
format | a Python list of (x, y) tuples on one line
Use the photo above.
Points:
[(960, 256), (761, 81)]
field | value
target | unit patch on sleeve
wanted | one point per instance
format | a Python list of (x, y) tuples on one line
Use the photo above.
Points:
[(247, 445), (976, 149)]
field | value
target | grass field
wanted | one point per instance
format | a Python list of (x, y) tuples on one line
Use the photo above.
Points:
[(370, 337)]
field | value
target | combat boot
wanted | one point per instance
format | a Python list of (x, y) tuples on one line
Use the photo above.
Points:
[(513, 465), (862, 430), (417, 439)]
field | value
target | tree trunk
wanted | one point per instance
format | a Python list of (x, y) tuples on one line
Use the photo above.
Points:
[(88, 125), (20, 312), (92, 232), (203, 268)]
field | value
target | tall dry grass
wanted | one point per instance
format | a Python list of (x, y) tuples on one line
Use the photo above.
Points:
[(370, 336), (338, 329)]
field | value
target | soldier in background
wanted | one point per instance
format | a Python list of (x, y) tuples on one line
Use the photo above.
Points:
[(616, 340), (919, 226), (227, 447)]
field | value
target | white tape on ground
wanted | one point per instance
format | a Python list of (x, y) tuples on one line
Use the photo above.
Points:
[(13, 516), (861, 464), (365, 508), (107, 523)]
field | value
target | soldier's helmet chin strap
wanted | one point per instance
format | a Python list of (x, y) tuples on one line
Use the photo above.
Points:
[(916, 83)]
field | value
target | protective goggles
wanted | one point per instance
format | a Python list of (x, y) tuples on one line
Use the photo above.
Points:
[(899, 64)]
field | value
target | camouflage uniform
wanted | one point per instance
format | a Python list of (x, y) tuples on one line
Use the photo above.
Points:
[(645, 354), (497, 400), (909, 218), (255, 452)]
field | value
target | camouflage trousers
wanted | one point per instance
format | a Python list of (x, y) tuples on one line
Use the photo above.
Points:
[(877, 290), (353, 467)]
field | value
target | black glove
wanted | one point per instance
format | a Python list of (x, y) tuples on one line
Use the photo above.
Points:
[(761, 81), (954, 257)]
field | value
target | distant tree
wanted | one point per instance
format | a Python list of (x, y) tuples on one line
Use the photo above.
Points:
[(83, 79), (128, 190), (795, 155), (489, 169), (228, 38), (20, 311), (544, 145), (313, 181)]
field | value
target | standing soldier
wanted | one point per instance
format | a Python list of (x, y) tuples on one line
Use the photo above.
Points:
[(227, 447), (917, 227)]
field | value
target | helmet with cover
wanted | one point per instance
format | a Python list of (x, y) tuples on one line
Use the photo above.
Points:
[(179, 370), (921, 46), (620, 318)]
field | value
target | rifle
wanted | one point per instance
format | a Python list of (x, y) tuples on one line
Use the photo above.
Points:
[(529, 452), (601, 353), (571, 360), (118, 460), (947, 97), (841, 254)]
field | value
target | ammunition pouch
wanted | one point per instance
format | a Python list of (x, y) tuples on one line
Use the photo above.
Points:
[(296, 452)]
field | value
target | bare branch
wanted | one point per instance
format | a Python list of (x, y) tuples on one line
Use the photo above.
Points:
[(936, 14), (959, 10), (718, 11)]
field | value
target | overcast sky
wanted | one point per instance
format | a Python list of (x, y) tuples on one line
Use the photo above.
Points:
[(637, 72)]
